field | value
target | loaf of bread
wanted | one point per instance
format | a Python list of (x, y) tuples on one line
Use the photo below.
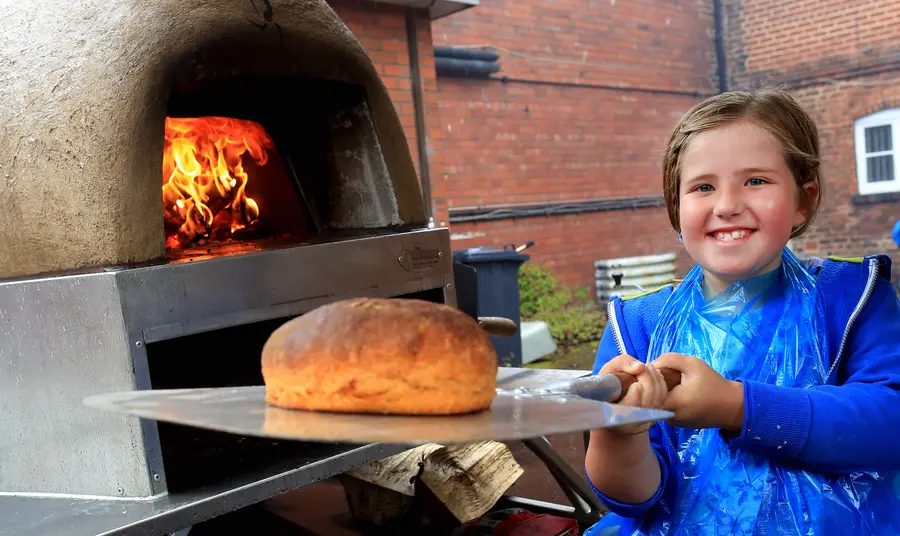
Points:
[(388, 356)]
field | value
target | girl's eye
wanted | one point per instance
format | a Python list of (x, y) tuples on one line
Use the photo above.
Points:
[(704, 188), (756, 181)]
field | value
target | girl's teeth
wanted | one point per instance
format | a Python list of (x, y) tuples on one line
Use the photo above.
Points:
[(733, 235)]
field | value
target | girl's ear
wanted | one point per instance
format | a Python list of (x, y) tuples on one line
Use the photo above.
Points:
[(808, 199)]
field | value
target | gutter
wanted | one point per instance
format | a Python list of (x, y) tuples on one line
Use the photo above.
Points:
[(721, 57)]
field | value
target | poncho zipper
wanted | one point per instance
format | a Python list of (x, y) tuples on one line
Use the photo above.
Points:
[(611, 317), (870, 287)]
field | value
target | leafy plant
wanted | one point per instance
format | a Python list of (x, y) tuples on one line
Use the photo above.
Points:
[(573, 317)]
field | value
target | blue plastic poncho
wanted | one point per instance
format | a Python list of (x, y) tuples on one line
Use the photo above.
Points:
[(770, 329)]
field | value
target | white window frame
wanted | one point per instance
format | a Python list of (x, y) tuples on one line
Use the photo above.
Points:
[(878, 119)]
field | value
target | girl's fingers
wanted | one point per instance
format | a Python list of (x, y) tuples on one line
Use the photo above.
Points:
[(624, 363), (648, 389), (652, 389), (632, 395), (661, 389)]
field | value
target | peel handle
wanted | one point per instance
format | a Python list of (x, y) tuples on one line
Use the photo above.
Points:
[(672, 377), (605, 387), (497, 326)]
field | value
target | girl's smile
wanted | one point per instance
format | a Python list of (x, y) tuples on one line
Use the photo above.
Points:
[(731, 235)]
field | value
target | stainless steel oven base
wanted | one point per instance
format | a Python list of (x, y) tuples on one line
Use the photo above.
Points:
[(67, 516), (68, 337)]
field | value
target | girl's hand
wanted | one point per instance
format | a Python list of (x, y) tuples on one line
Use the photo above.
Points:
[(649, 391), (704, 399)]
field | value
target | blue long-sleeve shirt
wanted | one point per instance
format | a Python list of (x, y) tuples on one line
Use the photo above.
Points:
[(850, 424)]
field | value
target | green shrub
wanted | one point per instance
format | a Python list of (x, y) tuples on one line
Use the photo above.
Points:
[(573, 317)]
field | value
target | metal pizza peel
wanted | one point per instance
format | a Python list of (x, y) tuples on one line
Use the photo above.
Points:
[(564, 406)]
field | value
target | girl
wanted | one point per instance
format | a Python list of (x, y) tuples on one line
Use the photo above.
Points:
[(787, 418)]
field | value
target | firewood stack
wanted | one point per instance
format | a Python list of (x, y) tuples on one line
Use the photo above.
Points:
[(449, 485)]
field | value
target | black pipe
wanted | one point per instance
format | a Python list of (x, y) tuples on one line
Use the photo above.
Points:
[(653, 91), (412, 40), (847, 74), (875, 199), (480, 54), (721, 63), (465, 62), (535, 210), (480, 63), (464, 67)]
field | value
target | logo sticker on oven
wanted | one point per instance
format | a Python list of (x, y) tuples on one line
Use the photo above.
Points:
[(416, 259)]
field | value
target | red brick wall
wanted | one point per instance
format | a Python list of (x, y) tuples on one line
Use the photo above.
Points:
[(559, 130), (842, 61), (773, 39), (530, 144), (570, 244), (636, 43), (525, 143)]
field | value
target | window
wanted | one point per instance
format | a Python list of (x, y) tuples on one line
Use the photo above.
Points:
[(877, 136)]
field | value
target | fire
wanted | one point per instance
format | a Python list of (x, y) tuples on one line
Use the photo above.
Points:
[(204, 182)]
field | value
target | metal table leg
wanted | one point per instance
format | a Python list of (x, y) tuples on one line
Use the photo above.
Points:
[(586, 508)]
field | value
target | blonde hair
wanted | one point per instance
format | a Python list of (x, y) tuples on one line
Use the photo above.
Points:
[(774, 110)]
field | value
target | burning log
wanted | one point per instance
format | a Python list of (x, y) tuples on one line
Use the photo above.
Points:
[(204, 182)]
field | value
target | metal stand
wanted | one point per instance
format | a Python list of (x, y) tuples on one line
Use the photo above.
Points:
[(586, 508), (175, 514)]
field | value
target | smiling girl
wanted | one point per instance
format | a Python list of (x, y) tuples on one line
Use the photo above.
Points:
[(787, 418)]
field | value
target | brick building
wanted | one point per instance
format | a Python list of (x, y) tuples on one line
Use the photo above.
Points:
[(562, 144), (842, 62)]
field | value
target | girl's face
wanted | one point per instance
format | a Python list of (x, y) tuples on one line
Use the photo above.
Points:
[(738, 202)]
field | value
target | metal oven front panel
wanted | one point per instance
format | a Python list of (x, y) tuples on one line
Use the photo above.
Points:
[(174, 300)]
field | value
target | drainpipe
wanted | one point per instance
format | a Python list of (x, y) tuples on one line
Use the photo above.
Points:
[(721, 67), (412, 39)]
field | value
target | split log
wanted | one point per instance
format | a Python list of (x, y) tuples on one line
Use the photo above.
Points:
[(467, 479), (397, 472), (470, 478)]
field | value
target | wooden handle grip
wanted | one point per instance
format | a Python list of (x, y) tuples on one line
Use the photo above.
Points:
[(672, 377), (497, 326)]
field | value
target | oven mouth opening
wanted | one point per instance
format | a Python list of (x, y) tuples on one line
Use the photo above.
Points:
[(252, 163), (194, 458)]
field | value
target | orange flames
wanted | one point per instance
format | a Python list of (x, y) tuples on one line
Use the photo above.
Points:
[(204, 182)]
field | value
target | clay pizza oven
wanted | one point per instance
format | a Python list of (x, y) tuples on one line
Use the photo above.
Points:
[(177, 180), (93, 92)]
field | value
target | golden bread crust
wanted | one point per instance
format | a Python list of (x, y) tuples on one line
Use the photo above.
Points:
[(374, 355)]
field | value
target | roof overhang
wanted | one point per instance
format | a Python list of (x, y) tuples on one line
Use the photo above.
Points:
[(436, 8)]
